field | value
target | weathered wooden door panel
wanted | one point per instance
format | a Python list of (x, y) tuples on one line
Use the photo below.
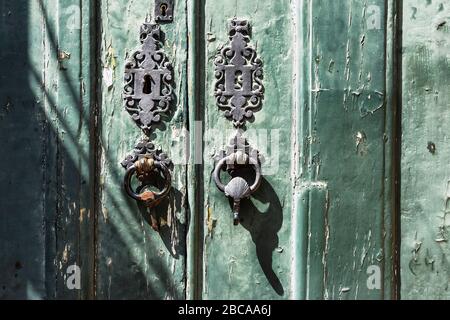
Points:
[(425, 188), (133, 261), (45, 94), (345, 146), (323, 216), (251, 260), (323, 223)]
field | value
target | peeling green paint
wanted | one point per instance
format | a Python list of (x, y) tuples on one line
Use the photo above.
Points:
[(133, 261), (325, 214), (425, 264)]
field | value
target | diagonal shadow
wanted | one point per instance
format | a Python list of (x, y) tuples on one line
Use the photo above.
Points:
[(20, 280)]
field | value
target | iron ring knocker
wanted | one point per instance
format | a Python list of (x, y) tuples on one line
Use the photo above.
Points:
[(237, 188), (142, 168)]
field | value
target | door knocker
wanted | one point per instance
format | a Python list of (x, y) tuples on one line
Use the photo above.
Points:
[(146, 162), (238, 92), (238, 157), (147, 95)]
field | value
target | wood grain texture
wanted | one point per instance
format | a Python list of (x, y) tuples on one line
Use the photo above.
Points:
[(344, 147), (133, 261), (324, 216), (325, 212), (45, 115), (251, 260), (425, 188)]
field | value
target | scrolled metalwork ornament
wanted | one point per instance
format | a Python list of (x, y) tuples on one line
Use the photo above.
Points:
[(238, 71), (146, 149), (147, 90)]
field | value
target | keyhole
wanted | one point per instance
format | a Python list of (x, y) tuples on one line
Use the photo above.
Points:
[(147, 89), (163, 8), (238, 80)]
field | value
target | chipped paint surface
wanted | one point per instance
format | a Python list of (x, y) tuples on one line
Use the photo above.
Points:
[(425, 251), (242, 261), (343, 189), (312, 233), (44, 112), (134, 261)]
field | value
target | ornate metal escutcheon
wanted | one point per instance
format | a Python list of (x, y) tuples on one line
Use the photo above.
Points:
[(148, 76), (238, 71), (238, 156)]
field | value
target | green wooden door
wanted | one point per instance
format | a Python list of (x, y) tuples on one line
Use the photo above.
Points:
[(133, 261), (425, 253), (313, 228), (47, 208), (351, 129), (321, 222)]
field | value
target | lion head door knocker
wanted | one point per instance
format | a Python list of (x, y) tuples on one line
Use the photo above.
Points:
[(147, 96), (238, 92)]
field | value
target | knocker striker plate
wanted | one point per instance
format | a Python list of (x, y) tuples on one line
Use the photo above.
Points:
[(238, 71), (148, 75), (238, 153)]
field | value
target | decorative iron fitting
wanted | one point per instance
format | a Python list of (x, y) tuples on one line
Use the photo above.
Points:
[(238, 71), (145, 162), (146, 149), (148, 75), (236, 158), (163, 10)]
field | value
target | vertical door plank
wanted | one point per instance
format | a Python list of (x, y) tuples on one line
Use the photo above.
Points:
[(345, 142), (425, 186), (133, 261), (194, 167), (251, 260), (70, 39), (335, 105), (44, 125), (23, 128)]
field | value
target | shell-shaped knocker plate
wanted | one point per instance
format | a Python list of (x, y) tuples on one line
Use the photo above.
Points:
[(238, 153), (238, 71), (148, 75)]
